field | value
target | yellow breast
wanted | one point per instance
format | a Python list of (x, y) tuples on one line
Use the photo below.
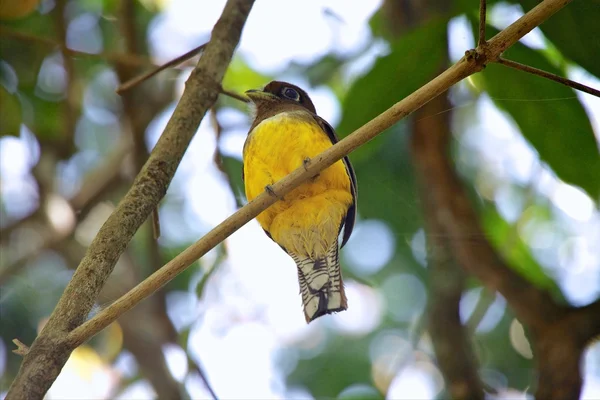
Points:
[(276, 147)]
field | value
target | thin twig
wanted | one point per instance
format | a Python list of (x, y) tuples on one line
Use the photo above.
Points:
[(123, 59), (482, 22), (462, 69), (235, 95), (22, 349), (197, 367), (155, 224), (147, 75), (218, 156), (548, 75)]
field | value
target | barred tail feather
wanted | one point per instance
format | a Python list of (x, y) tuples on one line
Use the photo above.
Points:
[(321, 284)]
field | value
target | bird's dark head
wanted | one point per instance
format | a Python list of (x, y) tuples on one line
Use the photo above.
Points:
[(280, 96)]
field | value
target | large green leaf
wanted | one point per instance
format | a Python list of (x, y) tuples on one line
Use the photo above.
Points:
[(414, 59), (574, 31), (549, 115)]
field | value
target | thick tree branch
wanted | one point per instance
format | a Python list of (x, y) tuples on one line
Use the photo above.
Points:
[(468, 65), (51, 350)]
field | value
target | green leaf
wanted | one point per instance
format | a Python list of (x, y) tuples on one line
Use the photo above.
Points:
[(10, 110), (414, 59), (574, 31), (549, 115)]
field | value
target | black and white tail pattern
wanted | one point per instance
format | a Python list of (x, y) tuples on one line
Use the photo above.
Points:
[(321, 284)]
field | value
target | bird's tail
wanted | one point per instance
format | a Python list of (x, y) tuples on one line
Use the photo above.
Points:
[(321, 284)]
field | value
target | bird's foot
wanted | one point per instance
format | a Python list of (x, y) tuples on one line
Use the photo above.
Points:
[(306, 163), (269, 189)]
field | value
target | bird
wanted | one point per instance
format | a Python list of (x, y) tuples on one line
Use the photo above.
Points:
[(286, 133)]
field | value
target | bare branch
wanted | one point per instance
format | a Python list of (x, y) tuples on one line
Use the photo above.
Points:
[(548, 75), (21, 349), (51, 350), (234, 95), (482, 22), (147, 75), (466, 66)]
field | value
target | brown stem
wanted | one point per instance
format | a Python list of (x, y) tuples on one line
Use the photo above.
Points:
[(548, 75), (482, 22), (50, 350), (147, 75), (234, 95)]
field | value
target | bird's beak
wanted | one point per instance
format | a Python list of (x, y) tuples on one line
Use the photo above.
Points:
[(258, 95)]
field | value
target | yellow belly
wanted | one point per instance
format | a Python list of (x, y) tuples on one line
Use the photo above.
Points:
[(307, 221)]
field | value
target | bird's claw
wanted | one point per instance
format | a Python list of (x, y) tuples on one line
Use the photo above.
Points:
[(271, 192), (306, 163)]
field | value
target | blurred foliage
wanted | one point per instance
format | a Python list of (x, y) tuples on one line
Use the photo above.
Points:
[(549, 116), (559, 130), (567, 28)]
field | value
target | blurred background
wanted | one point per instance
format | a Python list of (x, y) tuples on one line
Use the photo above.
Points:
[(525, 148)]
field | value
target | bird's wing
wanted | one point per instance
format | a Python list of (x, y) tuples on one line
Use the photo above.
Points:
[(348, 222)]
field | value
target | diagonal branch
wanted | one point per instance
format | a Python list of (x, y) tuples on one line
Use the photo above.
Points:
[(147, 75), (50, 350), (548, 75), (468, 65)]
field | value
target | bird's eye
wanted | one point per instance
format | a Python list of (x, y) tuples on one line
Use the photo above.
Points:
[(291, 94)]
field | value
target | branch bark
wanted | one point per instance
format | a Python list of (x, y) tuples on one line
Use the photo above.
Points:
[(474, 61), (51, 350)]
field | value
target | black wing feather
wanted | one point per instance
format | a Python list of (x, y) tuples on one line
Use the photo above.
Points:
[(348, 222)]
